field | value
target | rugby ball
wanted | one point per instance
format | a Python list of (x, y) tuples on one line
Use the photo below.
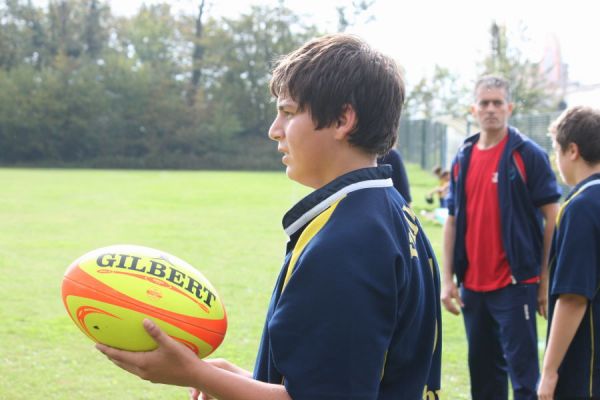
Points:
[(109, 291)]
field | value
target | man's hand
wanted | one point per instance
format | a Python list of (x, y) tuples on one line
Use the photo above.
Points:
[(451, 297), (171, 363)]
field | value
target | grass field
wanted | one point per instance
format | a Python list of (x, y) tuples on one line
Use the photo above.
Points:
[(227, 224)]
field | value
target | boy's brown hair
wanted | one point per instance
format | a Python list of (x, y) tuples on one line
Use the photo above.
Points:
[(579, 125), (332, 72)]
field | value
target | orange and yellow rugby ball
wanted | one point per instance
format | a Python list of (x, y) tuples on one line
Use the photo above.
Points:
[(109, 291)]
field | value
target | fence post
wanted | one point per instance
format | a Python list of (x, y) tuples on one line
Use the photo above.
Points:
[(424, 125), (444, 146)]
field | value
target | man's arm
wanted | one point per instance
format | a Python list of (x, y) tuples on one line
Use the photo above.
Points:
[(549, 211), (450, 296), (174, 364), (568, 314)]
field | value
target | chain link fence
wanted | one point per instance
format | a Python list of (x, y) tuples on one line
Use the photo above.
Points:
[(536, 127), (423, 142), (431, 143)]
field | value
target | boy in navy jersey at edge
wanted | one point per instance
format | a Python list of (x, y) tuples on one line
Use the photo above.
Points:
[(571, 367), (355, 312)]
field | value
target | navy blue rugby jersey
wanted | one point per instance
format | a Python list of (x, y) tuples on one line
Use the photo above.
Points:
[(355, 313), (575, 269), (399, 175)]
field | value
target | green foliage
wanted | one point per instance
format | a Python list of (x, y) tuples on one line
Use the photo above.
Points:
[(22, 35), (358, 11), (152, 34), (438, 95), (531, 92), (80, 87), (240, 55)]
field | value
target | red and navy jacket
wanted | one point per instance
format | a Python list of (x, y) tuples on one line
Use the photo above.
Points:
[(526, 182)]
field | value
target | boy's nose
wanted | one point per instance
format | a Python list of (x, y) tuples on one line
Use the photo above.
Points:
[(275, 132)]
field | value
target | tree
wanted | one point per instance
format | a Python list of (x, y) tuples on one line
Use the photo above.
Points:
[(531, 92), (242, 53), (197, 56), (440, 95), (95, 36), (22, 35), (359, 8), (153, 38), (66, 21), (79, 87)]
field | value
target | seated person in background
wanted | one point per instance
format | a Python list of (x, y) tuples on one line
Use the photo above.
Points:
[(440, 214), (441, 190)]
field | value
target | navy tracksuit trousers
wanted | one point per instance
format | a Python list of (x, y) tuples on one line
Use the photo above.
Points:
[(502, 339)]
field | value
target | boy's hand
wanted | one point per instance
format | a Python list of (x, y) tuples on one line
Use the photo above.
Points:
[(547, 385), (451, 297), (196, 394), (542, 297), (171, 363)]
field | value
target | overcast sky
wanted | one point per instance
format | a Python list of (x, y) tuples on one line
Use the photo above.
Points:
[(453, 34)]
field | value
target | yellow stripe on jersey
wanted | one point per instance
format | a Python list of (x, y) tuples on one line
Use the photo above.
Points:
[(411, 220), (431, 394), (564, 206), (435, 338), (305, 237), (591, 355)]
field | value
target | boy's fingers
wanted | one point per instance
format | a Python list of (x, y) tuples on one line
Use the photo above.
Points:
[(459, 300), (450, 306), (108, 351), (155, 332), (115, 355), (101, 347)]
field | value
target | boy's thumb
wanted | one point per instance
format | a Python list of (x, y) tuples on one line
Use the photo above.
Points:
[(155, 332)]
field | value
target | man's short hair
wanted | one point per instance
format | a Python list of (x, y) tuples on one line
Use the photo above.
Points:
[(329, 73), (493, 82), (579, 125)]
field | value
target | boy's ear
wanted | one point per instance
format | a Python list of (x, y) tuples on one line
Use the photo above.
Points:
[(573, 151), (346, 123)]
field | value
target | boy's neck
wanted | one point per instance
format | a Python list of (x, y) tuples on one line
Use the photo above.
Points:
[(346, 162), (586, 170)]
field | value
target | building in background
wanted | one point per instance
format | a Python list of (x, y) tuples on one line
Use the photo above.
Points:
[(552, 66), (557, 73)]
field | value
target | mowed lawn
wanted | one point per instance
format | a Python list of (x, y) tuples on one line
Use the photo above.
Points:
[(227, 224)]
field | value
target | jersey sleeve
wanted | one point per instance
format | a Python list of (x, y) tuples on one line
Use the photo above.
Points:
[(577, 261), (337, 297), (541, 180), (450, 197)]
